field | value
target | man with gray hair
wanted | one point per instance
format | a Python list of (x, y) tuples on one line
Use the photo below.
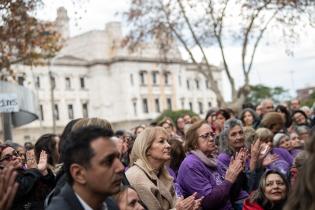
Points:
[(266, 106)]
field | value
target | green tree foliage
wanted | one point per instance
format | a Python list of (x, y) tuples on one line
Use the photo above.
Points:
[(174, 115), (310, 101), (260, 92)]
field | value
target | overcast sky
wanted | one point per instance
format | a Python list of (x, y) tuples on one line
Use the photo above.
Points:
[(272, 66)]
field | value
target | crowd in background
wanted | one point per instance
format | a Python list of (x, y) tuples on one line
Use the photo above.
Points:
[(254, 159)]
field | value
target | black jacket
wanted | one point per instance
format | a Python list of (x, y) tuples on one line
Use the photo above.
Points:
[(33, 189), (67, 200)]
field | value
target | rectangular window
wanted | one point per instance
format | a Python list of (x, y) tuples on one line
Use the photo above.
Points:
[(70, 112), (209, 104), (20, 80), (145, 105), (134, 103), (182, 101), (197, 84), (188, 84), (85, 112), (131, 79), (41, 112), (157, 105), (68, 83), (142, 75), (155, 77), (167, 78), (52, 82), (82, 82), (169, 103), (200, 107), (37, 82), (207, 84), (56, 112), (179, 80), (190, 106)]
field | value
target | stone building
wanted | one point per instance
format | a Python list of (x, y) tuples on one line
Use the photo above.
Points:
[(94, 76)]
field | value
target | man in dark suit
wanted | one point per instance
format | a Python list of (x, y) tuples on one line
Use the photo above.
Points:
[(94, 171)]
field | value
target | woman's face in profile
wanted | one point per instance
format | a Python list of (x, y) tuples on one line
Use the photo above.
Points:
[(275, 189)]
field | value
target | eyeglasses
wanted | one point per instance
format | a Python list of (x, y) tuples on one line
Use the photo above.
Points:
[(207, 136), (10, 157)]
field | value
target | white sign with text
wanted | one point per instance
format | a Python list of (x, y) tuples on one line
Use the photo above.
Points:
[(8, 102)]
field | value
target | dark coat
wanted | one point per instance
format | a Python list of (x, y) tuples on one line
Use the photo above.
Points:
[(33, 189), (67, 200)]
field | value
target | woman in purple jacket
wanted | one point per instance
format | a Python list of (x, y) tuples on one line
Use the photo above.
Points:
[(201, 172)]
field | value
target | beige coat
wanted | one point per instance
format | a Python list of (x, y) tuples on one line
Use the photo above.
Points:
[(157, 193)]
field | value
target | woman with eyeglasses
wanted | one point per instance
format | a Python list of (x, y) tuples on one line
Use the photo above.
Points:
[(34, 184), (201, 172)]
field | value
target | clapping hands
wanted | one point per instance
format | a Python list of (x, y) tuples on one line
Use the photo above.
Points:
[(8, 187), (189, 203)]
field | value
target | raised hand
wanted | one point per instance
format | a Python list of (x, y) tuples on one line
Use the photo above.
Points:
[(269, 159), (264, 150), (8, 187), (255, 149), (235, 168), (30, 159), (42, 163)]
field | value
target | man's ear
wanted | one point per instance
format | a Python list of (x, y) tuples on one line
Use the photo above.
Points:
[(78, 173)]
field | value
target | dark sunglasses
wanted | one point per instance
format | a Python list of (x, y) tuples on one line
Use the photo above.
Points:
[(10, 157)]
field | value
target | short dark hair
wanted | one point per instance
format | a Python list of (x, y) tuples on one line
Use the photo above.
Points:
[(77, 146), (48, 143)]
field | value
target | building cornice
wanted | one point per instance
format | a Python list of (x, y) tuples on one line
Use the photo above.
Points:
[(121, 59)]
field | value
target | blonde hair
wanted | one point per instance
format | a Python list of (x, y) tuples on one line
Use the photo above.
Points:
[(264, 134), (92, 122), (143, 143)]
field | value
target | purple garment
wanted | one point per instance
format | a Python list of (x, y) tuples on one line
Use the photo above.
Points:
[(172, 173), (284, 163), (195, 176), (295, 152), (226, 159)]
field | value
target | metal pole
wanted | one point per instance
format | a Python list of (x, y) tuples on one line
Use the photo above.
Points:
[(7, 126), (52, 97)]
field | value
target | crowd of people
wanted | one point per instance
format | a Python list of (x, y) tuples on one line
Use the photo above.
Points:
[(261, 158)]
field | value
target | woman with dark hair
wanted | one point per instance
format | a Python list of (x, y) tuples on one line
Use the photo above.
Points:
[(20, 150), (249, 118), (180, 125), (286, 115), (220, 117), (34, 183), (138, 130), (300, 118), (271, 194), (48, 143), (177, 156)]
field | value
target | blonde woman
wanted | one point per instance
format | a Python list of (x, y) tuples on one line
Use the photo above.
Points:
[(149, 176)]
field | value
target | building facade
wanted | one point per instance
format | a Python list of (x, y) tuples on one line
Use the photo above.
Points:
[(94, 76)]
